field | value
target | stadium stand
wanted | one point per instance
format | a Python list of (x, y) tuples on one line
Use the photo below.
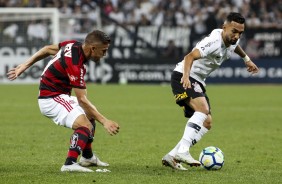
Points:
[(192, 13)]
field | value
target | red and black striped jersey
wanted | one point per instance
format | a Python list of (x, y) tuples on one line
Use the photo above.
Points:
[(64, 71)]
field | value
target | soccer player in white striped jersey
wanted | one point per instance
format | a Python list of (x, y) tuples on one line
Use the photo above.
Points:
[(188, 85)]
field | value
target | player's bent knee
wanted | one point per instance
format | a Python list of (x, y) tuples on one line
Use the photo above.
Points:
[(82, 121), (208, 122), (206, 111)]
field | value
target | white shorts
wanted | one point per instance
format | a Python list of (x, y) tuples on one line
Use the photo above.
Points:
[(62, 109)]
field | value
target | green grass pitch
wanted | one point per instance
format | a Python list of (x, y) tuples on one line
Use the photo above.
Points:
[(246, 126)]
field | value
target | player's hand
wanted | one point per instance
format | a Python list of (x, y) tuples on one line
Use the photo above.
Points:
[(15, 72), (111, 127), (185, 82), (251, 67)]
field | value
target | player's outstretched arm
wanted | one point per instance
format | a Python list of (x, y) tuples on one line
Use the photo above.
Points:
[(251, 66), (39, 55), (91, 111)]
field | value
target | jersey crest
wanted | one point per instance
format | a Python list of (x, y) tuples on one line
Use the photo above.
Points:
[(197, 87)]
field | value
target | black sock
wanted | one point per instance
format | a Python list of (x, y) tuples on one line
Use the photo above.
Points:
[(79, 140)]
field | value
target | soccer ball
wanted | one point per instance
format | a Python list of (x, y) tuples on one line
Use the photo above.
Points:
[(211, 158)]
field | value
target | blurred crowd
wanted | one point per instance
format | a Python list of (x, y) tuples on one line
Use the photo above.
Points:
[(202, 15), (79, 16)]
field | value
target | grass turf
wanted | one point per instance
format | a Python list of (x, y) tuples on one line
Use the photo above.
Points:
[(246, 126)]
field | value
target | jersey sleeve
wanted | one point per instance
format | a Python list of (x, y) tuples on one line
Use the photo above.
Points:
[(76, 76), (208, 45), (75, 68)]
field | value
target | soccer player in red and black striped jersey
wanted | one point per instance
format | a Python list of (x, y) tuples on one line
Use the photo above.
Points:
[(64, 73)]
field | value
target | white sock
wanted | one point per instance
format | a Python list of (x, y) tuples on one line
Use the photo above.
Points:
[(194, 130), (174, 150), (184, 146)]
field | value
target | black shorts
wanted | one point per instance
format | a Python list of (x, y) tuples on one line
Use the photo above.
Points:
[(181, 95)]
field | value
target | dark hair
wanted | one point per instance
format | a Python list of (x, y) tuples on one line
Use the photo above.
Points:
[(236, 17), (97, 36)]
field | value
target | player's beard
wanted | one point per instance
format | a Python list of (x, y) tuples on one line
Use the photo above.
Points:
[(231, 41), (96, 60)]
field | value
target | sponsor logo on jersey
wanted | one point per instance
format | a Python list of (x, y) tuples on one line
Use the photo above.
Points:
[(72, 78), (208, 44)]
